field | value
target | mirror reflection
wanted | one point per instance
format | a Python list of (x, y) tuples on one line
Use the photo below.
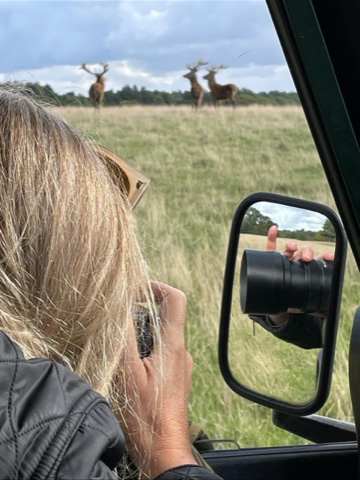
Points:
[(280, 300)]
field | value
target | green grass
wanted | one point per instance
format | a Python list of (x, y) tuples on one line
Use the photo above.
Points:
[(202, 165)]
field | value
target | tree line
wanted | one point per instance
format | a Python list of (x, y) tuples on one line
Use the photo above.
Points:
[(141, 96), (256, 223)]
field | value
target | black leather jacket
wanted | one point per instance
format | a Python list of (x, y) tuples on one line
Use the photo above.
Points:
[(54, 426), (302, 329)]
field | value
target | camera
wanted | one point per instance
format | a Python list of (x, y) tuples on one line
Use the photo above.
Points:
[(270, 283), (144, 333)]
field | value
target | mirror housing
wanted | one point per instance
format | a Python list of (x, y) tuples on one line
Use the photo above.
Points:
[(325, 363)]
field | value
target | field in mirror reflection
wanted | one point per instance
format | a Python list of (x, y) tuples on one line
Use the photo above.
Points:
[(258, 359)]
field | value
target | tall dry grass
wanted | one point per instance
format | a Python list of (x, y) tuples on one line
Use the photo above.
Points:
[(202, 165)]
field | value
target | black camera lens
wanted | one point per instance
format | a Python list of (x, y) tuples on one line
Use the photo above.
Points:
[(270, 284)]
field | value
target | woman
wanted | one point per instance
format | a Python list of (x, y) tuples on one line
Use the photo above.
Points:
[(72, 283)]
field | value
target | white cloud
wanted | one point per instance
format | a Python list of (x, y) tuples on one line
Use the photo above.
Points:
[(135, 25), (147, 43), (291, 218), (124, 73), (258, 78)]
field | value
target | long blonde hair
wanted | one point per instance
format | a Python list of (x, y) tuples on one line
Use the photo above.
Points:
[(70, 267)]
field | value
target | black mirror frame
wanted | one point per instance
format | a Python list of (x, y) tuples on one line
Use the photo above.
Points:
[(325, 370)]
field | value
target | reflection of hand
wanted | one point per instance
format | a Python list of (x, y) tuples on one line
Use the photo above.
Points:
[(165, 439), (306, 254)]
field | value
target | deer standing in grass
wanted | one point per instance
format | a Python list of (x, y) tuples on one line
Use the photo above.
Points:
[(197, 91), (220, 92), (97, 89)]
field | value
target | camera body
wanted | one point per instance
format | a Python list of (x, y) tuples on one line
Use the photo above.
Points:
[(270, 283), (144, 333)]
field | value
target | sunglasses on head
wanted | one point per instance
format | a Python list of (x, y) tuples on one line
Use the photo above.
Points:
[(132, 182)]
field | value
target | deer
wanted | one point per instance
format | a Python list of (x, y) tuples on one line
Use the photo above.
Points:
[(96, 91), (197, 91), (220, 92)]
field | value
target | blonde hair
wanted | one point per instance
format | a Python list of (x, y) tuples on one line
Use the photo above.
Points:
[(71, 270)]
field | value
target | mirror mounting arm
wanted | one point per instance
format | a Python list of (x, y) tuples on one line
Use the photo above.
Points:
[(316, 428), (354, 371)]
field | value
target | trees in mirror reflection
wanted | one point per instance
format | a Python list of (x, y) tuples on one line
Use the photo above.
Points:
[(257, 223)]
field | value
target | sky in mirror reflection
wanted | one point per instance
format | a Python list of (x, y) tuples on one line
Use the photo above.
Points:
[(292, 218)]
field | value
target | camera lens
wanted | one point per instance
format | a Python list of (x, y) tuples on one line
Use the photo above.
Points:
[(270, 284)]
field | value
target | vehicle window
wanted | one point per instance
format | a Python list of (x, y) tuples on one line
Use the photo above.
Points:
[(201, 163)]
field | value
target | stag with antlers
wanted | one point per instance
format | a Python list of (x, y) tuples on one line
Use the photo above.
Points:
[(197, 91), (220, 92), (97, 89)]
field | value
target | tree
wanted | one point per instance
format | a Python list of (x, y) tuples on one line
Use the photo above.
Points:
[(256, 223), (134, 95), (328, 231)]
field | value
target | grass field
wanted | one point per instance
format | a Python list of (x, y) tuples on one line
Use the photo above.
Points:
[(202, 165)]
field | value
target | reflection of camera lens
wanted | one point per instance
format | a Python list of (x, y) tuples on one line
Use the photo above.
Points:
[(270, 283)]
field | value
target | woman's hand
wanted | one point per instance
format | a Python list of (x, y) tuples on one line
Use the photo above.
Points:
[(306, 254), (164, 440)]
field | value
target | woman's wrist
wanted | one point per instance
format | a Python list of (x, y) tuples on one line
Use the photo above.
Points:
[(168, 458), (280, 319)]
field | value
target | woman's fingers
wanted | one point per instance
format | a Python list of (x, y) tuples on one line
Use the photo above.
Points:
[(172, 310), (271, 239), (158, 397), (290, 250), (171, 305), (306, 254), (328, 256)]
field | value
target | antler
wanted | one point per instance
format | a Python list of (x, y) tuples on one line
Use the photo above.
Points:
[(201, 63), (196, 67), (84, 67), (217, 69), (105, 69)]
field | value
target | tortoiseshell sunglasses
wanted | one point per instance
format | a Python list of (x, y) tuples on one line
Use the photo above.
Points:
[(132, 182)]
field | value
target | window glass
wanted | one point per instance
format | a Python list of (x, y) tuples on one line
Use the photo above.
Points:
[(202, 163)]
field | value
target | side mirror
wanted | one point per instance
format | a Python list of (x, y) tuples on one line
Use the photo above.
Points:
[(287, 365)]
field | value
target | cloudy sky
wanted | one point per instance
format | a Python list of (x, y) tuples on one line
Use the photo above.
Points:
[(146, 43), (291, 218)]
